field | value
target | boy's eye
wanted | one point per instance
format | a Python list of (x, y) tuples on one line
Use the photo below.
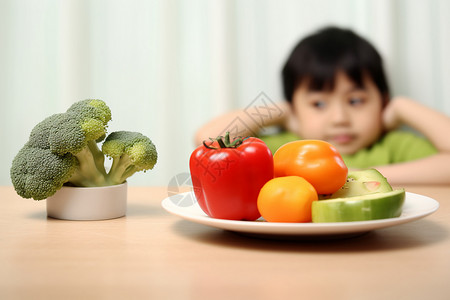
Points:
[(318, 104), (354, 101)]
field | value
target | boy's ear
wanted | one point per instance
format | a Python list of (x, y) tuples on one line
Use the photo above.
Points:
[(291, 105), (386, 98)]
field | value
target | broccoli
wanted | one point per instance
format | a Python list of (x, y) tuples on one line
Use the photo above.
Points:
[(62, 150), (131, 152)]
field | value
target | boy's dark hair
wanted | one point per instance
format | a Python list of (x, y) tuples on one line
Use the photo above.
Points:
[(318, 57)]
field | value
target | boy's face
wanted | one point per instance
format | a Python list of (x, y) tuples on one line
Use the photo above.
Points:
[(348, 117)]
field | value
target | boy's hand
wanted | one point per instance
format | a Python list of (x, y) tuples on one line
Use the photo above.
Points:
[(391, 117), (290, 120)]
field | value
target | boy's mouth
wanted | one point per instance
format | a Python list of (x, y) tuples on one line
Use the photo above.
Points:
[(342, 138)]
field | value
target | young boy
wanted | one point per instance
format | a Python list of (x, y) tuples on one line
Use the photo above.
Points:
[(337, 91)]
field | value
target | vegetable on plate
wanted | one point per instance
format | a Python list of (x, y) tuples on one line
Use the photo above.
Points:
[(287, 199), (365, 196), (316, 161), (359, 208), (227, 175)]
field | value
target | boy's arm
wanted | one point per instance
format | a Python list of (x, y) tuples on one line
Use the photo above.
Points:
[(245, 122), (435, 126), (430, 170)]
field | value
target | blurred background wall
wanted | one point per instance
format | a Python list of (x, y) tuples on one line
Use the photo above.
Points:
[(166, 67)]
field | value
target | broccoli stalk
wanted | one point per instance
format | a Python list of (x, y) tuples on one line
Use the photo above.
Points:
[(91, 171), (62, 150), (121, 168)]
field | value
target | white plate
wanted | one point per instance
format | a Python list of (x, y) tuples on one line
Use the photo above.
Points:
[(185, 206)]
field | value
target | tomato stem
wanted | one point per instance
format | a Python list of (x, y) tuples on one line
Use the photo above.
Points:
[(225, 142), (222, 144)]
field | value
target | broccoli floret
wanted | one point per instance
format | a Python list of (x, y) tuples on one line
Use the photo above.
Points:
[(38, 173), (39, 137), (62, 149), (85, 121), (131, 152)]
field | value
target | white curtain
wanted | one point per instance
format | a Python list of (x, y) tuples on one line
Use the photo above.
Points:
[(166, 67)]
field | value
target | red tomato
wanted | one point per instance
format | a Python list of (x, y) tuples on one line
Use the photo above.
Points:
[(228, 175), (316, 161)]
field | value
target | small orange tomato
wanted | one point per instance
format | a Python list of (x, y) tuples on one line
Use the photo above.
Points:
[(316, 161), (286, 199)]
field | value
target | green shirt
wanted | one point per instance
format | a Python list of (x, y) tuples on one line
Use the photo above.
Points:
[(394, 147)]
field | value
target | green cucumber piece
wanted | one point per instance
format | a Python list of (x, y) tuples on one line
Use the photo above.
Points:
[(359, 208), (362, 182)]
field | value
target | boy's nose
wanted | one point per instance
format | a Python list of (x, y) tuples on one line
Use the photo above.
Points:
[(339, 115)]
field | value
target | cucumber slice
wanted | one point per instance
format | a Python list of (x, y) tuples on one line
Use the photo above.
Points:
[(360, 183), (359, 208)]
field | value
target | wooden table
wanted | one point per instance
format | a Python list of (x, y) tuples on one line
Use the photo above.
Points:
[(150, 254)]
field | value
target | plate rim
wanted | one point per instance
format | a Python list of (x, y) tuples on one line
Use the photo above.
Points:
[(283, 228)]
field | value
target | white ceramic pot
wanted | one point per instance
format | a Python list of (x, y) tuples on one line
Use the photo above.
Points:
[(88, 203)]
